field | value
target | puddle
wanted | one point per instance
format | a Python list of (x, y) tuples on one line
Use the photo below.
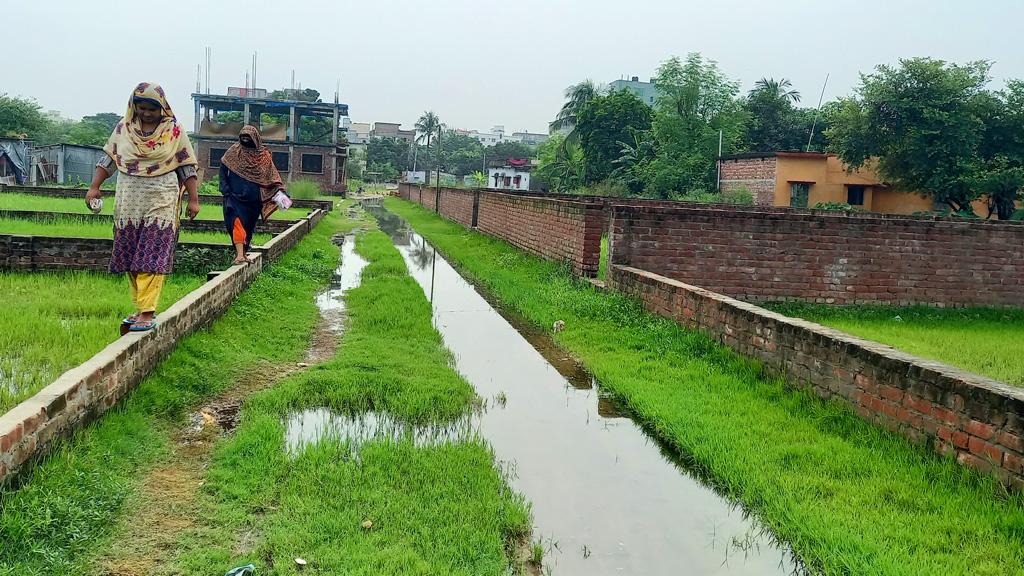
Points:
[(607, 498), (348, 274), (310, 426)]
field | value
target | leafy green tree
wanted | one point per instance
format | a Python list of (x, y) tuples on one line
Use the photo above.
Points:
[(20, 116), (384, 171), (461, 155), (576, 96), (561, 164), (696, 102), (393, 151), (1001, 177), (774, 123), (108, 120), (507, 149), (427, 126), (923, 121), (604, 123)]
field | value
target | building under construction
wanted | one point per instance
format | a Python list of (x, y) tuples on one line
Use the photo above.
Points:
[(304, 138)]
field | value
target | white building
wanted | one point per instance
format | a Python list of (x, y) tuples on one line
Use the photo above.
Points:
[(509, 178)]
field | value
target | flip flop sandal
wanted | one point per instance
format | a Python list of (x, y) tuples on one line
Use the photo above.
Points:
[(133, 319), (143, 326)]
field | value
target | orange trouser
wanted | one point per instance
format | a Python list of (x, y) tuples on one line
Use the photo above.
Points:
[(238, 232), (146, 287)]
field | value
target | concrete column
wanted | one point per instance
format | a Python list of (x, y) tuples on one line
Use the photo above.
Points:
[(292, 132), (334, 154), (245, 115), (198, 118)]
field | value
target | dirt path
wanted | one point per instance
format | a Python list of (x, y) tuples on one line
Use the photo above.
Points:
[(167, 502)]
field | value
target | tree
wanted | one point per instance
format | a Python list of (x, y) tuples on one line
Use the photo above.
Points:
[(508, 149), (773, 123), (777, 89), (393, 151), (560, 164), (604, 123), (575, 97), (108, 120), (1001, 176), (19, 116), (696, 103), (427, 126), (921, 120)]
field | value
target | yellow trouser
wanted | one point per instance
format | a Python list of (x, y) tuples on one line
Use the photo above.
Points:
[(146, 288)]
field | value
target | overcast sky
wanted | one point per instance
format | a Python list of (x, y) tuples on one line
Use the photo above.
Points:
[(476, 63)]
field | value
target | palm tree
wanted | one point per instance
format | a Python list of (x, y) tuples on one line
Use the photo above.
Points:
[(781, 89), (576, 96), (427, 125)]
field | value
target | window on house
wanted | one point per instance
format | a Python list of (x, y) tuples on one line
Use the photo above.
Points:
[(215, 155), (281, 160), (313, 163), (799, 192), (855, 195)]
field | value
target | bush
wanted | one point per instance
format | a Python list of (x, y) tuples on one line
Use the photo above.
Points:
[(610, 187), (211, 186), (198, 260), (304, 189), (1018, 215), (741, 196), (837, 207)]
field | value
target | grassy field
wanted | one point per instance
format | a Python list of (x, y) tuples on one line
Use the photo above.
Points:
[(55, 321), (17, 201), (986, 341), (442, 508), (849, 497), (74, 227), (55, 522), (437, 509)]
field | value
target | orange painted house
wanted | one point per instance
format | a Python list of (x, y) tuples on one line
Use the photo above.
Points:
[(805, 179)]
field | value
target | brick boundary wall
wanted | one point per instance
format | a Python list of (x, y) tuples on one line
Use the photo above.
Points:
[(560, 230), (978, 420), (769, 255), (326, 205), (273, 226), (31, 429)]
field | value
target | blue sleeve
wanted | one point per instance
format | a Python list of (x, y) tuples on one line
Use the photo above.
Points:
[(225, 180)]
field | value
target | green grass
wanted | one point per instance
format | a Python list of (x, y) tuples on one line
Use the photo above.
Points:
[(986, 341), (848, 496), (55, 321), (441, 509), (18, 201), (304, 190), (66, 509), (74, 227)]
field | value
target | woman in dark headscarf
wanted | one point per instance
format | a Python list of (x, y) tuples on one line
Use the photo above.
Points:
[(249, 181)]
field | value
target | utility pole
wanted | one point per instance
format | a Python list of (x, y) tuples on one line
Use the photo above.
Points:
[(814, 124), (437, 195), (719, 185)]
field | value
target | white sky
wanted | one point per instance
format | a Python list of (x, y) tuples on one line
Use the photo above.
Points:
[(476, 63)]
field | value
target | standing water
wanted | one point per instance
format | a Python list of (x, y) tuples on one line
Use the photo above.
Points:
[(607, 499)]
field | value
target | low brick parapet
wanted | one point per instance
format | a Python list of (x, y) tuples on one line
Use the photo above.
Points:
[(978, 420)]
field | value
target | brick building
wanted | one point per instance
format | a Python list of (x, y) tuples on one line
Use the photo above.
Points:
[(305, 138)]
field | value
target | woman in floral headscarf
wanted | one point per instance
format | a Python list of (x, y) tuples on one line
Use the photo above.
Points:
[(249, 180), (154, 159)]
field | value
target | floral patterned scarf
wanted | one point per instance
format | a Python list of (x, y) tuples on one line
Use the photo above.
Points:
[(164, 150)]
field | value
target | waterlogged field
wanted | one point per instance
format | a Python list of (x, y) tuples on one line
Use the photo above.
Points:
[(18, 201), (849, 497), (52, 322), (75, 227), (986, 341)]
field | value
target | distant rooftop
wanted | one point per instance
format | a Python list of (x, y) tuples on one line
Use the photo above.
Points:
[(231, 102)]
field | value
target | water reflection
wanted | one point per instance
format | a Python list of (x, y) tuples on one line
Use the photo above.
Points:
[(612, 498), (306, 427)]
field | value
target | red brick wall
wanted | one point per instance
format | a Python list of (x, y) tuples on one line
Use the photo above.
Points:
[(459, 205), (764, 255), (754, 174), (978, 420), (560, 230)]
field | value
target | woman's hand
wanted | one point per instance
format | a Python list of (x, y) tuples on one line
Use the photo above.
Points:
[(94, 193), (193, 208)]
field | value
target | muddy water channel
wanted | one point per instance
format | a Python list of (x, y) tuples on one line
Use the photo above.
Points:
[(607, 498)]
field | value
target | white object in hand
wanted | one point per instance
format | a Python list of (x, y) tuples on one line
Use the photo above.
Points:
[(96, 205), (282, 200)]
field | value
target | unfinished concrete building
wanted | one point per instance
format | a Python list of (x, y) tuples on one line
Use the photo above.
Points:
[(304, 138)]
